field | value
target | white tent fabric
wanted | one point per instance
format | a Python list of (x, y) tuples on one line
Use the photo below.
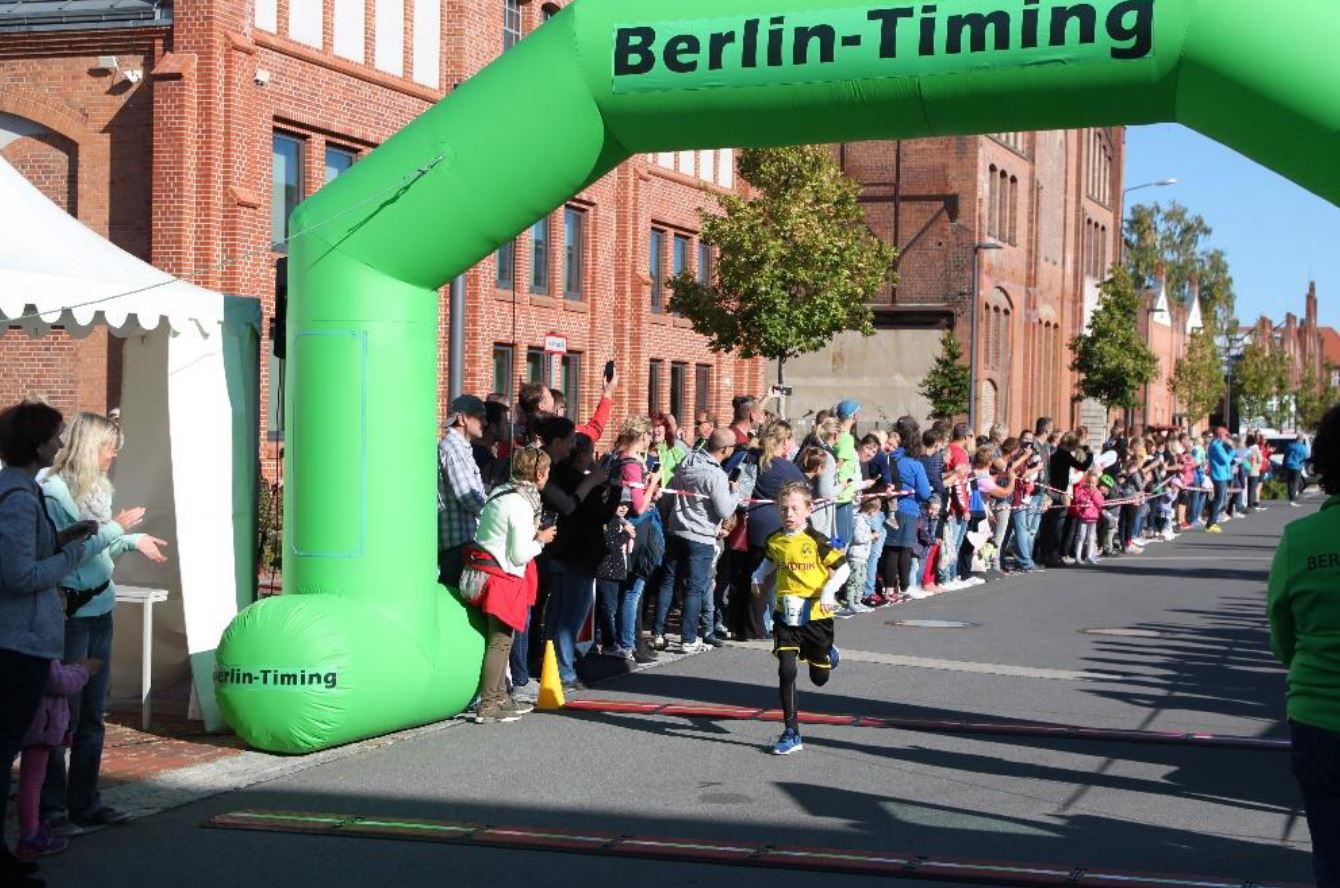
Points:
[(58, 271), (189, 412)]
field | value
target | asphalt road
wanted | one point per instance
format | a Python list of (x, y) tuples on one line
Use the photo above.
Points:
[(1200, 662)]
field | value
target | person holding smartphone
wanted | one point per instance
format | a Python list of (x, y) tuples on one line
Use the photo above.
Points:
[(34, 556)]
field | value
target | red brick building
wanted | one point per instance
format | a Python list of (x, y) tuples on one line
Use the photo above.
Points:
[(1051, 204), (1166, 325), (1312, 351), (186, 131)]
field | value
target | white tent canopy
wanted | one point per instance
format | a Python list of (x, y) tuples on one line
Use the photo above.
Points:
[(188, 408), (55, 270)]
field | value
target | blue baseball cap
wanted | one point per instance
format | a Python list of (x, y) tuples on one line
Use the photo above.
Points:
[(847, 409)]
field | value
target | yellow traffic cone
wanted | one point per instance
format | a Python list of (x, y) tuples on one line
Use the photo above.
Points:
[(551, 686)]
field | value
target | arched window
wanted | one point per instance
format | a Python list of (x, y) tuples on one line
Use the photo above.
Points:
[(1014, 210), (988, 401), (992, 201)]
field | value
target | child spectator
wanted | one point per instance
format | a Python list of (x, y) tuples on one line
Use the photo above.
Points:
[(1087, 506), (1110, 520), (813, 462), (922, 548), (612, 576), (47, 734), (865, 529), (809, 573)]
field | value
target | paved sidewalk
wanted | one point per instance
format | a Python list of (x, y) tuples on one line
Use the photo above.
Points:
[(172, 742)]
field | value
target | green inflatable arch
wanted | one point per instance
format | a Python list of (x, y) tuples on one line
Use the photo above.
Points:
[(364, 641)]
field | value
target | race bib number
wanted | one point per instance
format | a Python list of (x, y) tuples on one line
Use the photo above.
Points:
[(795, 610)]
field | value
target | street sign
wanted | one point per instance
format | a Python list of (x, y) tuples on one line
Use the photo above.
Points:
[(555, 344)]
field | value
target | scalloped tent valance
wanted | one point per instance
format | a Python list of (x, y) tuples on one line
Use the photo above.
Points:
[(189, 408), (54, 270)]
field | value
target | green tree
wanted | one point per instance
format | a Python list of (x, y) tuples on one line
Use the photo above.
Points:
[(1314, 399), (947, 384), (1111, 358), (1198, 378), (1175, 238), (1261, 382), (798, 263)]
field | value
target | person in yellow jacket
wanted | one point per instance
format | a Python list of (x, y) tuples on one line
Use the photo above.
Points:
[(809, 571), (1304, 607)]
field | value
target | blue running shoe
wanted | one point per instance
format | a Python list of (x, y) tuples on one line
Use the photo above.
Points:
[(789, 743), (834, 656)]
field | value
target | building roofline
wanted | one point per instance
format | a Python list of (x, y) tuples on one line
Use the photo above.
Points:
[(111, 16)]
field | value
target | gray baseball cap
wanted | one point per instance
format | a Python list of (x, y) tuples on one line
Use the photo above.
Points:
[(467, 405)]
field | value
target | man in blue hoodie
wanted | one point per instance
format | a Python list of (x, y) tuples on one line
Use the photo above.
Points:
[(1294, 457), (1220, 456)]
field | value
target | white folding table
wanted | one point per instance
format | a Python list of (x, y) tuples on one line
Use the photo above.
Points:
[(147, 598)]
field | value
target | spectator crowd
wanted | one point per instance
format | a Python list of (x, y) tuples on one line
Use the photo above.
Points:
[(656, 540)]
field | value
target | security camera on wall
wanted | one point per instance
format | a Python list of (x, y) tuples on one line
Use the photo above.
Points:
[(262, 77)]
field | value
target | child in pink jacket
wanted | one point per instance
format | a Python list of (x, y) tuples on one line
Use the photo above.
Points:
[(1087, 504), (45, 735)]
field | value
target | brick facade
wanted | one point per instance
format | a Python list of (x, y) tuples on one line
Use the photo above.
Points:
[(1313, 351), (1050, 200), (177, 168)]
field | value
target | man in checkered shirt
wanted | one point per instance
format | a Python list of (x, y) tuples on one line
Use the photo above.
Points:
[(460, 487)]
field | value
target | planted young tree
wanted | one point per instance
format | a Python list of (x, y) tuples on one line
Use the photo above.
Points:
[(948, 383), (798, 264), (1111, 358), (1261, 382), (1198, 378), (1314, 399)]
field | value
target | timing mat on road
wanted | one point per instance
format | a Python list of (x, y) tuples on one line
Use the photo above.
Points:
[(941, 726), (708, 851)]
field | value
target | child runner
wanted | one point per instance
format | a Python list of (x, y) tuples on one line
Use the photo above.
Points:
[(809, 574)]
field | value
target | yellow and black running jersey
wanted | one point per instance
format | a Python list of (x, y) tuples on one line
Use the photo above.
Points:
[(804, 562)]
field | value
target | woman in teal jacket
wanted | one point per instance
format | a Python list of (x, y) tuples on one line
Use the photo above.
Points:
[(77, 489), (1304, 606)]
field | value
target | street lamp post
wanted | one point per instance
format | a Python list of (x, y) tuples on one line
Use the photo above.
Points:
[(1233, 349), (1149, 318), (972, 347), (1157, 183)]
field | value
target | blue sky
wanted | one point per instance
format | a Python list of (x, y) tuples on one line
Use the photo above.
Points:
[(1277, 236)]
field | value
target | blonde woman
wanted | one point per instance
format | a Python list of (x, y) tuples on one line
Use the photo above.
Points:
[(631, 459), (77, 489), (824, 485), (506, 543)]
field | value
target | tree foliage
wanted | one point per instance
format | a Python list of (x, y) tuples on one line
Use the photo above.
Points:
[(1111, 358), (1261, 382), (947, 384), (1174, 238), (798, 263), (1198, 378), (1314, 399)]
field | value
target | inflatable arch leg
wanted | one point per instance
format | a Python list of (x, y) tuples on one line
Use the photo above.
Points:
[(364, 641)]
